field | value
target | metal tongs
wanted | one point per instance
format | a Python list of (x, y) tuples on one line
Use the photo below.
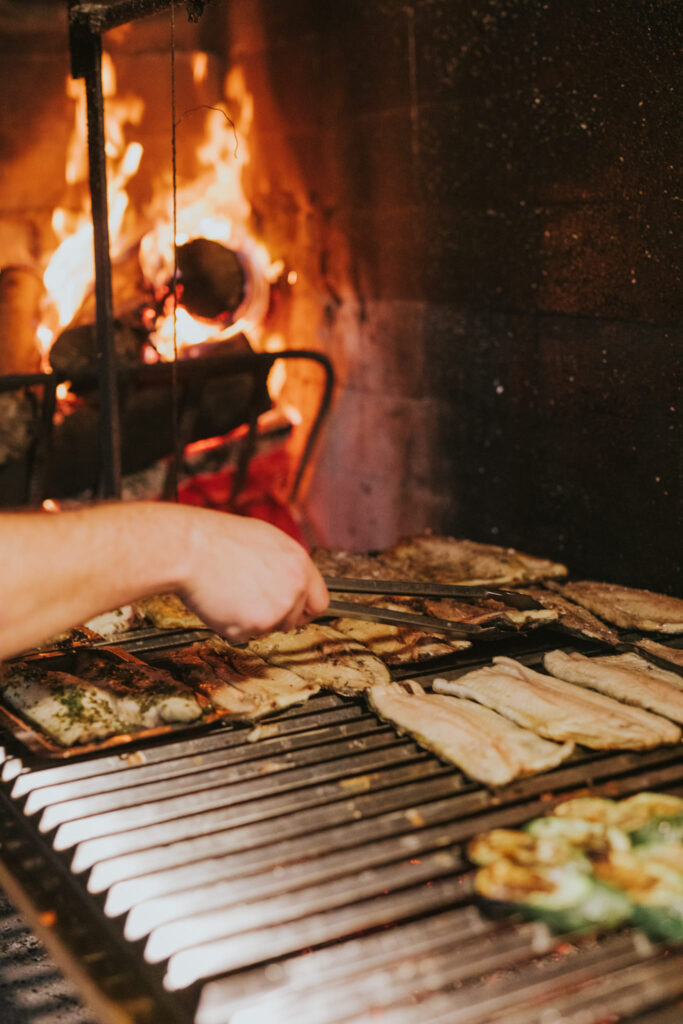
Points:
[(410, 588)]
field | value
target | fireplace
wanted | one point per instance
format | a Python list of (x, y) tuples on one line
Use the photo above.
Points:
[(474, 209)]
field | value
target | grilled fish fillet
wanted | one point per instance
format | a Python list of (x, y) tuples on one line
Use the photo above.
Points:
[(238, 680), (573, 617), (145, 696), (559, 710), (66, 709), (483, 744), (672, 654), (447, 560), (115, 699), (622, 680), (397, 645), (626, 606), (167, 611), (323, 656)]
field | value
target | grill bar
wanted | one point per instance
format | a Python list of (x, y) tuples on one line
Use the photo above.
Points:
[(217, 857)]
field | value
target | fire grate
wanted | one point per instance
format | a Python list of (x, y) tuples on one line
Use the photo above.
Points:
[(311, 869)]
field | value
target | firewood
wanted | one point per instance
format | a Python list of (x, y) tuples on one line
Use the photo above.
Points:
[(21, 290), (212, 278), (75, 352)]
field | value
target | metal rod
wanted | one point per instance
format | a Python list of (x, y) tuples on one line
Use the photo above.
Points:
[(100, 17), (86, 63)]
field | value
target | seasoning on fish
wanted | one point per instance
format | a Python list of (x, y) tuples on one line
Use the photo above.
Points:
[(484, 745), (105, 698), (323, 655), (237, 680), (627, 607), (560, 710), (619, 677)]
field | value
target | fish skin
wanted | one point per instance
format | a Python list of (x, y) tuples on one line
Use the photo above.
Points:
[(559, 710), (486, 746), (620, 680)]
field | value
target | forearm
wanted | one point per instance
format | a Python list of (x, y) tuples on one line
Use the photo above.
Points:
[(60, 569)]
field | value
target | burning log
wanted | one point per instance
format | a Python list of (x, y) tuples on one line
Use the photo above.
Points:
[(21, 290), (75, 353), (212, 279)]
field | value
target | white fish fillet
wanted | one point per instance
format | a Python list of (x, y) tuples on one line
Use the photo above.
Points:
[(237, 680), (120, 620), (66, 709), (105, 697), (559, 710), (324, 656), (620, 679), (483, 744)]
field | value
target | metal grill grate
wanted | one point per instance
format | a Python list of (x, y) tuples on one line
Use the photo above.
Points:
[(209, 864)]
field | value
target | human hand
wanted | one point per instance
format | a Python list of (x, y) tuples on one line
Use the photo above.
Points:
[(244, 577)]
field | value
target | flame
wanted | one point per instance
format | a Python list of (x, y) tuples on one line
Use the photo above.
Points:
[(69, 274), (200, 67), (212, 206)]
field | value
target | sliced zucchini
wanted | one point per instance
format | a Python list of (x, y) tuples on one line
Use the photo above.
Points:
[(659, 830), (566, 899)]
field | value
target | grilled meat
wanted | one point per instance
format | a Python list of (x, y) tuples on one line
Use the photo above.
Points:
[(483, 744), (573, 617), (237, 680), (447, 560), (627, 607), (560, 710), (324, 656), (621, 679)]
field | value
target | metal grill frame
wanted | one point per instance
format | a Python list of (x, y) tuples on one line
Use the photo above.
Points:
[(337, 827)]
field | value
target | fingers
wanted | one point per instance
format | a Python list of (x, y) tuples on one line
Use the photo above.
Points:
[(318, 597)]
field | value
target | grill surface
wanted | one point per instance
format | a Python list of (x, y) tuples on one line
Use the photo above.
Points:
[(219, 879)]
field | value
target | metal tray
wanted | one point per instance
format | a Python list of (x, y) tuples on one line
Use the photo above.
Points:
[(32, 737)]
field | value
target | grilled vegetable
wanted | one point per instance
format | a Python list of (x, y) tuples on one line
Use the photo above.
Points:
[(660, 830), (523, 849), (591, 836), (566, 898)]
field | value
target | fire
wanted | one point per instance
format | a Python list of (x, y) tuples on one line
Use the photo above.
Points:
[(213, 206), (69, 275)]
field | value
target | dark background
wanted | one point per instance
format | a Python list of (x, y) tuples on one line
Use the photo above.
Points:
[(503, 175)]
